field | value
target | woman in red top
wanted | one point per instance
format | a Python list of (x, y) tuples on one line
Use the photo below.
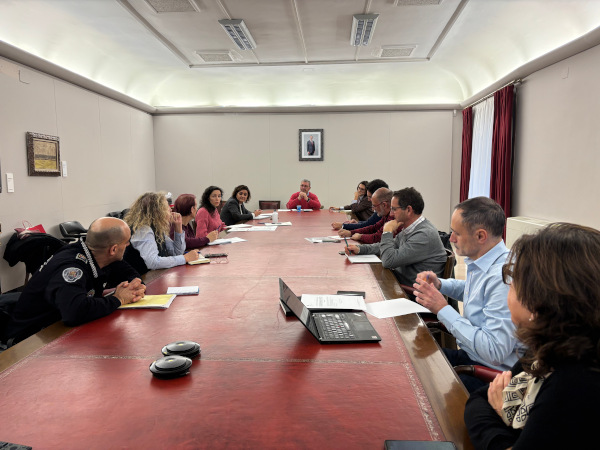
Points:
[(207, 217)]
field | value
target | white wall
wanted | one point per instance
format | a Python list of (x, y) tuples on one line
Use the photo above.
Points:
[(412, 148), (108, 148), (557, 148)]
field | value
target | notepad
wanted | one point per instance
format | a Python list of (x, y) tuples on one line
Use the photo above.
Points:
[(183, 290), (151, 302), (201, 260), (363, 259)]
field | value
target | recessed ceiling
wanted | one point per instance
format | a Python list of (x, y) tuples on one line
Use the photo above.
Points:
[(438, 52)]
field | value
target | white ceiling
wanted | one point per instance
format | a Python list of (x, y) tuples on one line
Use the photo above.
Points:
[(303, 57)]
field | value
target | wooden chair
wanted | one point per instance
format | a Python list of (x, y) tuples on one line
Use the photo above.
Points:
[(269, 204)]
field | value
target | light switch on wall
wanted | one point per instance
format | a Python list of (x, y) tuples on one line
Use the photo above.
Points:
[(10, 182), (64, 168)]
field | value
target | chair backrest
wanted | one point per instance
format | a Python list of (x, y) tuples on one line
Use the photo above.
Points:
[(450, 263), (72, 229), (32, 250), (269, 204)]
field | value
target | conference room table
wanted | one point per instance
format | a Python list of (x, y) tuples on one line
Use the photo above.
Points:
[(261, 381)]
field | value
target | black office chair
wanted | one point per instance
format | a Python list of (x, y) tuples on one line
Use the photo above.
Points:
[(72, 231)]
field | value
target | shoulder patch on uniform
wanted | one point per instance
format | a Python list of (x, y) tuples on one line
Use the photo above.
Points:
[(72, 274), (81, 257)]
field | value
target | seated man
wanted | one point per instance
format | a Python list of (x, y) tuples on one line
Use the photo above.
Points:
[(416, 248), (372, 187), (70, 284), (304, 198), (486, 333), (372, 234)]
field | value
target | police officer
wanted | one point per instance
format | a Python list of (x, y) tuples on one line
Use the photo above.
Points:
[(69, 285)]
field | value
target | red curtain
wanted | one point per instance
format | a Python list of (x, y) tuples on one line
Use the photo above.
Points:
[(467, 144), (501, 173)]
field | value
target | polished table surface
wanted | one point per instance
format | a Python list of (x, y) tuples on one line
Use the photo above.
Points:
[(262, 380)]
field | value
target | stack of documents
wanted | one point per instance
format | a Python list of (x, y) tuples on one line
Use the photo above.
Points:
[(183, 290), (201, 260)]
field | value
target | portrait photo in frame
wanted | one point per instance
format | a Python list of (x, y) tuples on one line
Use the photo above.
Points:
[(310, 144), (43, 155)]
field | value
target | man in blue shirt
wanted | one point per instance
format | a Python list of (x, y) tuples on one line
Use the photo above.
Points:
[(485, 334)]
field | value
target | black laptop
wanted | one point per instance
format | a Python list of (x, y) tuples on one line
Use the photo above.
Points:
[(330, 327)]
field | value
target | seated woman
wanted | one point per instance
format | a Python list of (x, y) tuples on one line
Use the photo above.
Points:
[(150, 219), (361, 205), (551, 400), (207, 217), (186, 206), (234, 210)]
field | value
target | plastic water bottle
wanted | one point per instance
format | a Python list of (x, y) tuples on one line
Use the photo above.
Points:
[(298, 208), (275, 217)]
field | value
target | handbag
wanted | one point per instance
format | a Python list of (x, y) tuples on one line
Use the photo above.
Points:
[(28, 229)]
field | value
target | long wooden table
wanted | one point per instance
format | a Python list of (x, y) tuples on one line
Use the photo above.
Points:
[(262, 380)]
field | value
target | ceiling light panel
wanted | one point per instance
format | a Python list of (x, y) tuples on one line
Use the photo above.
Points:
[(363, 27), (238, 32)]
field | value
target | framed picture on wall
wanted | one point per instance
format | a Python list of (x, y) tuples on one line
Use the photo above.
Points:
[(310, 145), (43, 155)]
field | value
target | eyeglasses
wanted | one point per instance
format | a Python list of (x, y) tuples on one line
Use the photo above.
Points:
[(377, 205), (396, 208), (507, 273)]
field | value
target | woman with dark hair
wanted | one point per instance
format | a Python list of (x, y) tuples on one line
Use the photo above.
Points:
[(186, 206), (150, 219), (361, 205), (550, 398), (234, 210), (207, 217)]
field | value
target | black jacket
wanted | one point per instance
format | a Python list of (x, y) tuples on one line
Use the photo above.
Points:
[(68, 286)]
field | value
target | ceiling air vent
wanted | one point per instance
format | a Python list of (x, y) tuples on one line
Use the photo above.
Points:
[(217, 56), (396, 51), (173, 6), (416, 2)]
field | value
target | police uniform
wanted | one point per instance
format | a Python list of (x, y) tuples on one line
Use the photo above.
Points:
[(67, 286)]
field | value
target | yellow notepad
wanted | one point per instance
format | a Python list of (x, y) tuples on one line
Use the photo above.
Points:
[(151, 301)]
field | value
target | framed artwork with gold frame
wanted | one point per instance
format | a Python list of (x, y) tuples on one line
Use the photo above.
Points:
[(43, 155)]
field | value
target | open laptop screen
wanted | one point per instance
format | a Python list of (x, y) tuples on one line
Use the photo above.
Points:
[(297, 307)]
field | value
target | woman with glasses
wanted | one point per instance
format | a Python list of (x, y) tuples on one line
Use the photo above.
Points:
[(361, 205), (550, 397), (234, 210)]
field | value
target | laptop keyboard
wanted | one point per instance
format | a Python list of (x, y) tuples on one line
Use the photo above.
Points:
[(334, 327)]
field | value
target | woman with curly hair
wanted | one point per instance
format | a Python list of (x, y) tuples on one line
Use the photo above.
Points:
[(550, 398), (150, 219), (186, 206), (207, 217), (234, 210)]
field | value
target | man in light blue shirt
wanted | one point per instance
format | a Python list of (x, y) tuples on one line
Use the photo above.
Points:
[(485, 334)]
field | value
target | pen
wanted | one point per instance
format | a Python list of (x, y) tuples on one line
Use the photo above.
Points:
[(346, 241)]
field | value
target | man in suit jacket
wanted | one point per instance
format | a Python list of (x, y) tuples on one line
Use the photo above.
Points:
[(311, 147)]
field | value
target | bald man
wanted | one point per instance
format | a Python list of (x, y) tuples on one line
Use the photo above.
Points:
[(69, 285)]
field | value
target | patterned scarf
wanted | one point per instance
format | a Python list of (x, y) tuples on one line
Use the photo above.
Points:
[(519, 396)]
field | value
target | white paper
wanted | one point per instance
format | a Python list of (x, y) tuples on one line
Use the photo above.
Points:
[(262, 228), (226, 241), (264, 216), (395, 307), (315, 301), (363, 258), (279, 224), (183, 290), (317, 240)]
